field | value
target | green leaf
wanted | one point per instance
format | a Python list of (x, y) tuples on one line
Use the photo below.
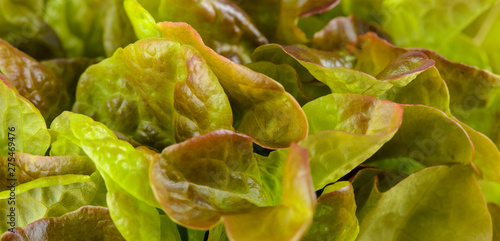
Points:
[(438, 140), (99, 28), (486, 154), (196, 188), (112, 157), (345, 130), (23, 27), (474, 95), (335, 68), (86, 223), (298, 203), (177, 99), (135, 219), (34, 81), (27, 167), (428, 24), (373, 54), (143, 23), (218, 233), (335, 216), (261, 107), (437, 203), (169, 231), (50, 197), (20, 118), (495, 218)]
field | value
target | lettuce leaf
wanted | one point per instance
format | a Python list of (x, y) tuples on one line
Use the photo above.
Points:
[(345, 130), (175, 100), (298, 203), (34, 81), (86, 223), (435, 203), (196, 188), (261, 107), (24, 122), (112, 157), (335, 68), (52, 196), (335, 216)]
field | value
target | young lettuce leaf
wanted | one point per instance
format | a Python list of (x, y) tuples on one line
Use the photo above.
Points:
[(85, 224), (51, 196), (335, 68), (34, 81), (437, 203), (175, 97), (345, 130), (440, 140), (335, 215), (222, 25), (298, 203), (261, 107), (28, 167), (196, 188), (32, 135), (126, 166)]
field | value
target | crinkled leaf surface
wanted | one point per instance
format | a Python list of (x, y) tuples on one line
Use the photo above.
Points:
[(52, 196), (298, 203), (34, 81), (335, 68), (196, 188), (27, 167), (30, 134), (261, 107), (345, 130), (222, 24), (437, 203), (86, 223), (438, 140), (335, 215), (126, 166), (158, 98)]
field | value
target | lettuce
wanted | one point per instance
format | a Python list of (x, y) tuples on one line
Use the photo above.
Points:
[(228, 120)]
